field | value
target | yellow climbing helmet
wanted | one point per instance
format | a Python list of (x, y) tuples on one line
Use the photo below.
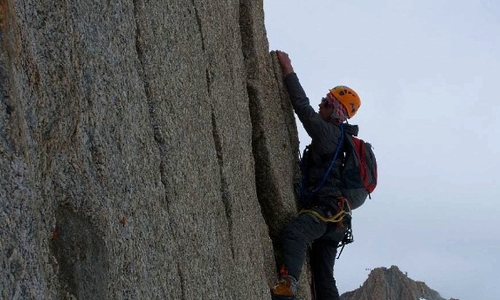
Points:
[(348, 97)]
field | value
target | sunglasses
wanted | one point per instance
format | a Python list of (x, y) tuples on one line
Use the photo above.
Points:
[(325, 102)]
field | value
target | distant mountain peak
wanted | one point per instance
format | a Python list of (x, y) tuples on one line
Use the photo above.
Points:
[(392, 284)]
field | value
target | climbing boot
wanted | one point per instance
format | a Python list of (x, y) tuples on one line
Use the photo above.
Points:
[(285, 289)]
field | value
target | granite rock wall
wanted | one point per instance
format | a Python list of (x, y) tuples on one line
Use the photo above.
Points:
[(147, 150)]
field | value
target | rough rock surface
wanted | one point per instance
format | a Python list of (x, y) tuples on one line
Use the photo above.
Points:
[(391, 283), (147, 150)]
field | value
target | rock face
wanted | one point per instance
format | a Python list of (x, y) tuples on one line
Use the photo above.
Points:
[(384, 284), (147, 150)]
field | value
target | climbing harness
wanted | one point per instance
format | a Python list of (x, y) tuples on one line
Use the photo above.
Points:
[(342, 218), (337, 218)]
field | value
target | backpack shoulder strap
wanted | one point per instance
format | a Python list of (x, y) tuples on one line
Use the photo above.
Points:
[(337, 151)]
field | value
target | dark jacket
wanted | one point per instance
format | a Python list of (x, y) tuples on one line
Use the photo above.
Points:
[(325, 137)]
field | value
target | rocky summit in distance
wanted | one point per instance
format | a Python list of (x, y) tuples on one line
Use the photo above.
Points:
[(391, 283)]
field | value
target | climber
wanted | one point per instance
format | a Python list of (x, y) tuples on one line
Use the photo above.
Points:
[(312, 228)]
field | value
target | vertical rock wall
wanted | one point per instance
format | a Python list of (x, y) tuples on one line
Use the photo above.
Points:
[(147, 150)]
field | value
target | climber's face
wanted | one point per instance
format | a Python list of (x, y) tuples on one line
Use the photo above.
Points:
[(325, 109)]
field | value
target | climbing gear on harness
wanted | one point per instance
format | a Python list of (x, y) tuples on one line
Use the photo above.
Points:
[(342, 212), (338, 217), (343, 219), (348, 238)]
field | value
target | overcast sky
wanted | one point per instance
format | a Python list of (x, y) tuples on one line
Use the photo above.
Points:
[(428, 74)]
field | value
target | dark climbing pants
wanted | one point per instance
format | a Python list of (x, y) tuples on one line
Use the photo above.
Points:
[(307, 230)]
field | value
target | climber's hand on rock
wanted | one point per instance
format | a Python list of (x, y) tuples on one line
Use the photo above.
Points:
[(285, 62)]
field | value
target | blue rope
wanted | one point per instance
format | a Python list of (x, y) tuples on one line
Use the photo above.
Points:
[(333, 160)]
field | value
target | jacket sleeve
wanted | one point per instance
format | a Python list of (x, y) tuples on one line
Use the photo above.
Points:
[(310, 119)]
